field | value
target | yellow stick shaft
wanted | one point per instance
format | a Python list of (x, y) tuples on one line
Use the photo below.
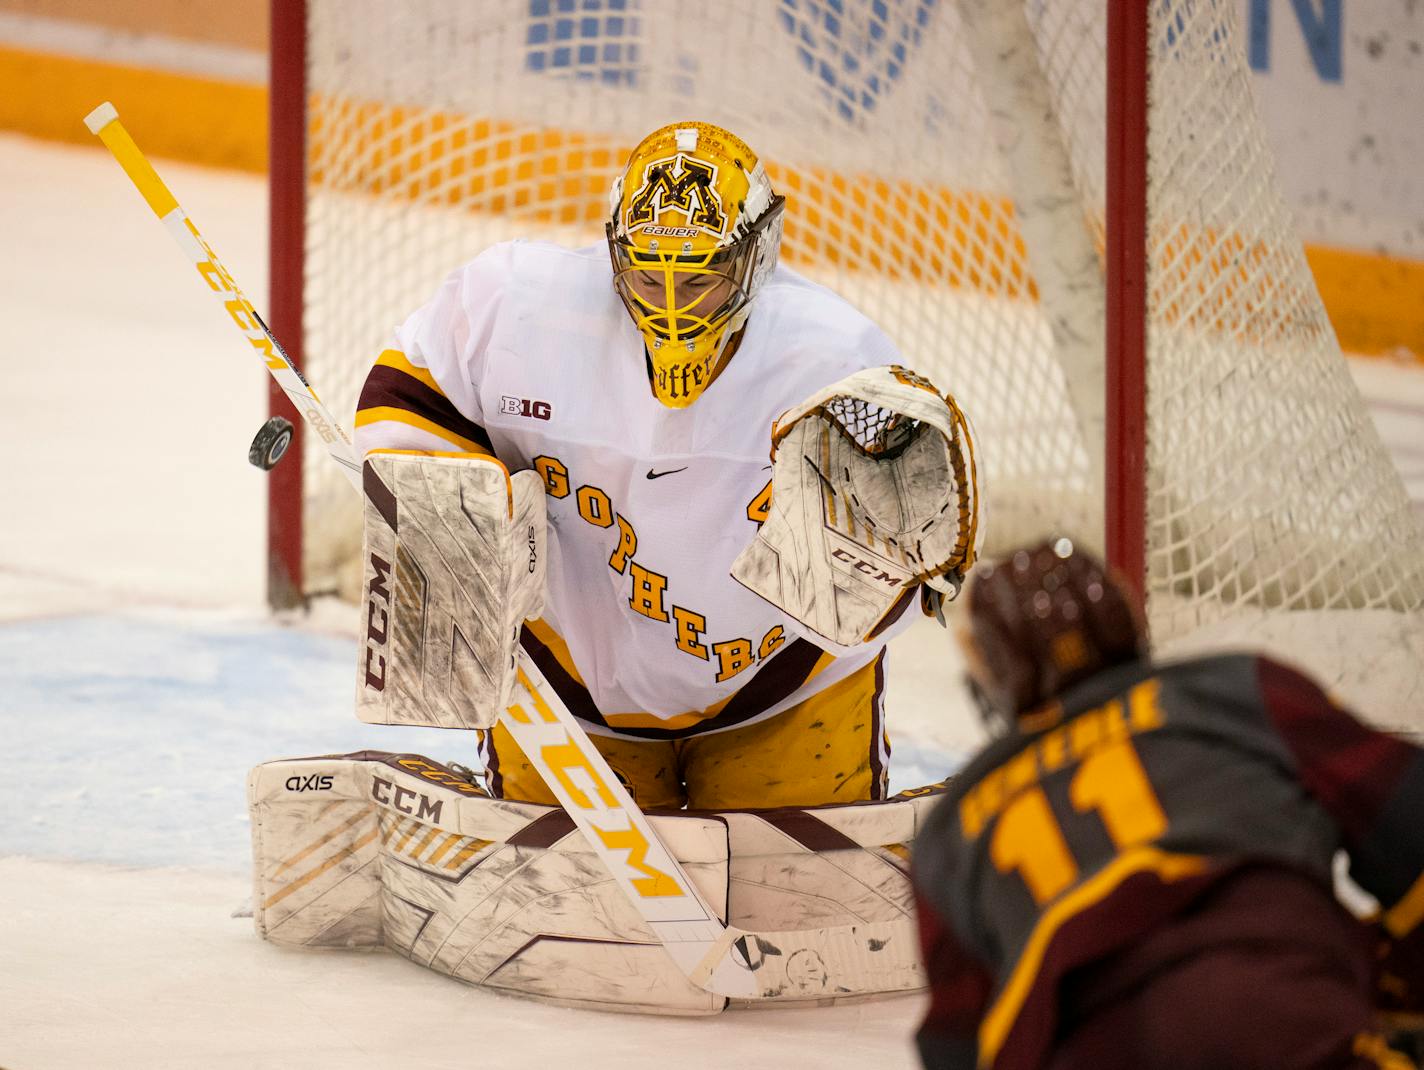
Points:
[(104, 121)]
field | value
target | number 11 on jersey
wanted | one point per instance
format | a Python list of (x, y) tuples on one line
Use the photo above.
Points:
[(1109, 781)]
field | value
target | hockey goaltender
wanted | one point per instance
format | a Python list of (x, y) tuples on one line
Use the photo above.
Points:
[(570, 523)]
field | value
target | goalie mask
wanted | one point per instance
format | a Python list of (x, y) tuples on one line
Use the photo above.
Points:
[(694, 233)]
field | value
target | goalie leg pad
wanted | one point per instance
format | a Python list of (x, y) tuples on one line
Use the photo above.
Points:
[(823, 867), (397, 851), (454, 557), (400, 852)]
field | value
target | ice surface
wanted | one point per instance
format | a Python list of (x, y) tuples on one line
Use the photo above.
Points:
[(145, 968), (144, 678)]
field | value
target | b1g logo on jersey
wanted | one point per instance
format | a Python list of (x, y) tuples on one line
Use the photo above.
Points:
[(538, 410)]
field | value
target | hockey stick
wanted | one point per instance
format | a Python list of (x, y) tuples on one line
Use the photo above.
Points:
[(104, 121), (727, 961)]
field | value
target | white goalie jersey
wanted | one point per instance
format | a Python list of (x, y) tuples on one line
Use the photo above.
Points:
[(527, 353)]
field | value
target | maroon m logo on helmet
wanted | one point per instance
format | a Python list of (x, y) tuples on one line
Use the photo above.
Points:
[(691, 191)]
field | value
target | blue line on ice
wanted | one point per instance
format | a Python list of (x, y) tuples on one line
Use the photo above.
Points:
[(130, 736)]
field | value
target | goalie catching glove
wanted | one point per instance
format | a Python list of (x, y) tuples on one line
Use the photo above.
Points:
[(454, 557), (873, 492)]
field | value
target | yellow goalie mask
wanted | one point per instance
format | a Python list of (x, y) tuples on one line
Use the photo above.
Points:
[(694, 234)]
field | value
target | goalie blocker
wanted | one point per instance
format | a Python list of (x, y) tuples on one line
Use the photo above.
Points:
[(874, 491), (400, 852), (454, 557)]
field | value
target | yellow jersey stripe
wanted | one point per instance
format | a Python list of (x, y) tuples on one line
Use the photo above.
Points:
[(394, 358), (1401, 918), (999, 1019), (638, 719)]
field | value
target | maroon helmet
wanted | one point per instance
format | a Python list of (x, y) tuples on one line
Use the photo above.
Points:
[(1043, 619)]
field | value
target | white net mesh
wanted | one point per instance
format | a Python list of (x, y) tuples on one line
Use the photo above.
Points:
[(439, 126), (1266, 479)]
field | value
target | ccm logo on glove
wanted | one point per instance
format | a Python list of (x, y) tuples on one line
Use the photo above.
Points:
[(874, 571)]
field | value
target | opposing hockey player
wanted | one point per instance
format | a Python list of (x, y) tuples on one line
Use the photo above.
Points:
[(1137, 871), (647, 397)]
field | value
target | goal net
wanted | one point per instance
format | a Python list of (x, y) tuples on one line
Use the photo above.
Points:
[(944, 168)]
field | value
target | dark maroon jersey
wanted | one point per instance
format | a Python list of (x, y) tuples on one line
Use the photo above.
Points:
[(1115, 811)]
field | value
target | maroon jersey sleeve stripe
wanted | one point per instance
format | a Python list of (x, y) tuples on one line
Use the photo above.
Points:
[(387, 387), (1349, 767)]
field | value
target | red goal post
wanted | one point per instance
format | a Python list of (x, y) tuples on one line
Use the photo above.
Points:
[(1064, 212), (286, 222), (1125, 288)]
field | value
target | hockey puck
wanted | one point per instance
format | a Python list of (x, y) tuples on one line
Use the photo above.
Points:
[(270, 444)]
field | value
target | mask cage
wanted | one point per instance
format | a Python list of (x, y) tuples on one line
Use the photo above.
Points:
[(738, 263), (666, 318)]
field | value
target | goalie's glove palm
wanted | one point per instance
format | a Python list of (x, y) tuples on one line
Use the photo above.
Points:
[(897, 505)]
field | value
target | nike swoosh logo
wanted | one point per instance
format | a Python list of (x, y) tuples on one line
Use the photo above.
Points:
[(670, 471)]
